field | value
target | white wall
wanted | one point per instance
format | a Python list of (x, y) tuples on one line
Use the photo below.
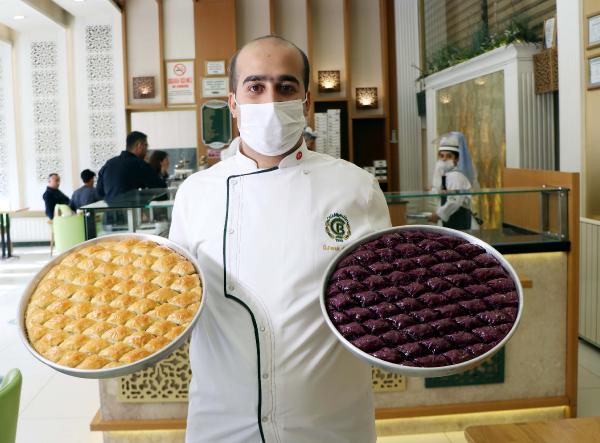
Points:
[(365, 56), (290, 21), (328, 35), (570, 85), (165, 130), (252, 20), (9, 192), (143, 56), (409, 123), (179, 29)]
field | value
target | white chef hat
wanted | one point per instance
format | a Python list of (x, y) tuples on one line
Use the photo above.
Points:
[(449, 142)]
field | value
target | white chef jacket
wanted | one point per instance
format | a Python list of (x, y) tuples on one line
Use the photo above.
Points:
[(265, 365), (455, 181)]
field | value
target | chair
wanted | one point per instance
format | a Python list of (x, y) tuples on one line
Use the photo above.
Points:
[(10, 394), (67, 230)]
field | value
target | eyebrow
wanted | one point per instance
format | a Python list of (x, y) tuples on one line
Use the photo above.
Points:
[(281, 78)]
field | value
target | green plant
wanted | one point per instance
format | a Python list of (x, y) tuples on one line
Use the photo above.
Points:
[(517, 31)]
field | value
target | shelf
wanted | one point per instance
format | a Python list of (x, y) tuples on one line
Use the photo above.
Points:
[(330, 99), (366, 117)]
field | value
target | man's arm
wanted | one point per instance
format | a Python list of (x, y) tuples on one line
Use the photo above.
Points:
[(50, 203), (100, 184)]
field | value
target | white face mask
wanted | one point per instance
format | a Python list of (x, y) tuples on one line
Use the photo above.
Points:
[(445, 165), (271, 128)]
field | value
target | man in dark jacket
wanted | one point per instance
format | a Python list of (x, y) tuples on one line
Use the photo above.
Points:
[(53, 196), (128, 170)]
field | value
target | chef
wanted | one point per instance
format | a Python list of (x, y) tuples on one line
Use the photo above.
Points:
[(263, 225), (454, 171)]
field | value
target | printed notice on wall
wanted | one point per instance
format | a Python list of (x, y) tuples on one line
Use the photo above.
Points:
[(180, 82), (215, 87)]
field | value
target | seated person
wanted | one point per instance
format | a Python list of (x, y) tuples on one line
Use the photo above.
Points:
[(128, 170), (54, 196), (87, 193)]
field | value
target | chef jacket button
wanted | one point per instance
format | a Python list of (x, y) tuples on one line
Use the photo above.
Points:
[(231, 287), (230, 231), (262, 329), (265, 375), (265, 419), (234, 181), (306, 172)]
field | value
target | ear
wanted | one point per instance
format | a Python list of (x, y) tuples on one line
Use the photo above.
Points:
[(232, 105), (307, 104)]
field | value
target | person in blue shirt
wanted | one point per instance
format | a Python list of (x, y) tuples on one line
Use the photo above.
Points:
[(128, 170), (87, 193)]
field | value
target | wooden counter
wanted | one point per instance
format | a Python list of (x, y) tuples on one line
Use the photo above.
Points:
[(575, 430)]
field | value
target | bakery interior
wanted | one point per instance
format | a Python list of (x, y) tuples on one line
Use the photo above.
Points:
[(520, 80)]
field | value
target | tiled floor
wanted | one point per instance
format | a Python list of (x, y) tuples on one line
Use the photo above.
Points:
[(58, 408)]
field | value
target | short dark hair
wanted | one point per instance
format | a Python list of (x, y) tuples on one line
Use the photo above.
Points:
[(87, 175), (233, 61), (51, 174), (134, 137)]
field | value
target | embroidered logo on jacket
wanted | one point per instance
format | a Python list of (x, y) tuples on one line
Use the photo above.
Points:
[(337, 227)]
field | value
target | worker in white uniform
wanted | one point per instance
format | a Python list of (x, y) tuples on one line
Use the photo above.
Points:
[(263, 225), (454, 171)]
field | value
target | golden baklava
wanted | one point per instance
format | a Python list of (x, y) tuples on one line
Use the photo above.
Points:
[(112, 303)]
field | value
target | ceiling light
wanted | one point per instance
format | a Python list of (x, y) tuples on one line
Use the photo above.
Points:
[(19, 17)]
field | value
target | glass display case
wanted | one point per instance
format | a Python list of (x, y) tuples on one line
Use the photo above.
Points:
[(145, 211), (528, 219)]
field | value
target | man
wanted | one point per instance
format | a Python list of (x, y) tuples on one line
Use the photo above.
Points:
[(263, 225), (53, 196), (128, 170), (86, 194)]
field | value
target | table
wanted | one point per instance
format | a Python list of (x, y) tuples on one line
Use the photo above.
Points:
[(5, 214), (130, 201), (572, 430)]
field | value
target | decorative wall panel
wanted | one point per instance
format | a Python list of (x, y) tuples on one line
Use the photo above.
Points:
[(169, 379), (46, 123), (100, 74)]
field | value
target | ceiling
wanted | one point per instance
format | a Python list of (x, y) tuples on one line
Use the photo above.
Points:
[(35, 19)]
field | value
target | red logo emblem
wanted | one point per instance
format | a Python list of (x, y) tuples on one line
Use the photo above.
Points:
[(299, 155)]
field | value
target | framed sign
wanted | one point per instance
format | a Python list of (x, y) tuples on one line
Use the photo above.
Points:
[(550, 32), (216, 67), (592, 30), (593, 80), (215, 123), (180, 82), (215, 86)]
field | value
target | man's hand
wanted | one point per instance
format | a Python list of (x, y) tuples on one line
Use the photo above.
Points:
[(433, 218)]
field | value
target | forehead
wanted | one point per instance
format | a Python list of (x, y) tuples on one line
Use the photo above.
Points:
[(270, 58)]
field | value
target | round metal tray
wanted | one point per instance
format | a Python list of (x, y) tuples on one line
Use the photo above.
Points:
[(410, 370), (120, 370)]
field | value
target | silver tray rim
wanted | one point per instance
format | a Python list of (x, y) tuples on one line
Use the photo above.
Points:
[(411, 371), (120, 370)]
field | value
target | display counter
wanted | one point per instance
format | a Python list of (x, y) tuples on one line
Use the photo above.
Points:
[(140, 210), (533, 378)]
